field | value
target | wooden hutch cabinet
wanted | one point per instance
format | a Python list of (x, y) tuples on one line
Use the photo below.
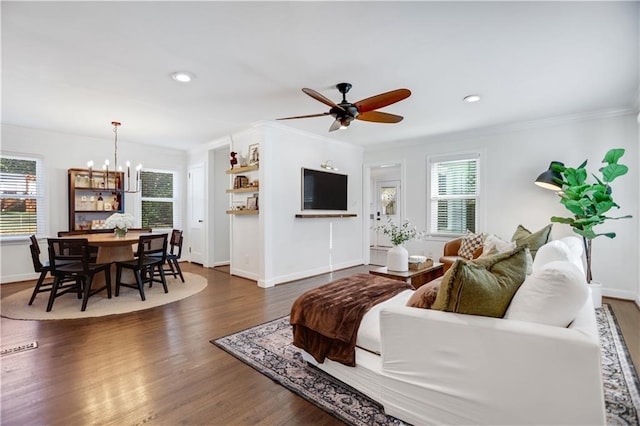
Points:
[(93, 197)]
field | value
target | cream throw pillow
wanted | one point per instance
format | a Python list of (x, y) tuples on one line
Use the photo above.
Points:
[(551, 295), (494, 245)]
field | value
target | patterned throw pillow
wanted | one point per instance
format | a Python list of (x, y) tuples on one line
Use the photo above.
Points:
[(425, 295), (470, 243)]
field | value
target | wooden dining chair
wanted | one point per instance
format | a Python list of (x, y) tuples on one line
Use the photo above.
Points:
[(93, 250), (172, 265), (72, 270), (150, 256), (42, 286)]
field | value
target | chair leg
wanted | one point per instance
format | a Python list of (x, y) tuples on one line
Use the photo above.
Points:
[(87, 290), (36, 290), (162, 277), (140, 286), (171, 268), (80, 288), (107, 277), (52, 295), (118, 278), (177, 265)]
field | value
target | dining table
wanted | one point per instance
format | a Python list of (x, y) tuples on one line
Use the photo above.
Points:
[(111, 249)]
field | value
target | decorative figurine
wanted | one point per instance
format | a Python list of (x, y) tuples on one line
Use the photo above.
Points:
[(233, 159)]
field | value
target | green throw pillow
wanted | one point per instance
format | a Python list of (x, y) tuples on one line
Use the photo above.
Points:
[(534, 240), (483, 286)]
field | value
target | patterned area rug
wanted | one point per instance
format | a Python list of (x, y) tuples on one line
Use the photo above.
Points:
[(268, 349)]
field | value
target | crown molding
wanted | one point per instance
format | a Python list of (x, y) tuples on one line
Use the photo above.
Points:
[(508, 127)]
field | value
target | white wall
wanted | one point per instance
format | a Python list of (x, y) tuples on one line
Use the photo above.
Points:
[(61, 152), (511, 160), (221, 222), (275, 246)]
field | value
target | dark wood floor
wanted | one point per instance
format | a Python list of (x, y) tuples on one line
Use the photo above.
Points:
[(158, 367)]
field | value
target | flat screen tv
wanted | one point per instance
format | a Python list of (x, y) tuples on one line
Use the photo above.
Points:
[(323, 190)]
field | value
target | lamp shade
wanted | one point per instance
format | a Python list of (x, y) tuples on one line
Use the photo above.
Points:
[(548, 178)]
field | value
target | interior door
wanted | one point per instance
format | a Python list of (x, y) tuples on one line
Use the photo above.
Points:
[(197, 210), (387, 208)]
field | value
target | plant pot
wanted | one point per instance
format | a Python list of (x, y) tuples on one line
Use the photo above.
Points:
[(398, 259), (596, 293), (120, 232)]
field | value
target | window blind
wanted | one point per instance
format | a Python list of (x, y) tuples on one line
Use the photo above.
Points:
[(158, 200), (22, 203), (454, 193)]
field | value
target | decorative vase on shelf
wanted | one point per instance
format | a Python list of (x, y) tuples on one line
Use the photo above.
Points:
[(398, 259), (120, 232)]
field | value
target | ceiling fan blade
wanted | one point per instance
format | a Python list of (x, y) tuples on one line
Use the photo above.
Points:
[(335, 125), (379, 117), (305, 116), (382, 100), (318, 97)]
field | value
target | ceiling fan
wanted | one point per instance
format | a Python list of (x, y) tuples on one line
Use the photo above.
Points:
[(345, 112)]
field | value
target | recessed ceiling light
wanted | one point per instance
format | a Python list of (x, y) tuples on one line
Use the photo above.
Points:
[(471, 98), (182, 76)]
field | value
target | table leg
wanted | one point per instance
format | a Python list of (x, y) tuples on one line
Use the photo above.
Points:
[(110, 254)]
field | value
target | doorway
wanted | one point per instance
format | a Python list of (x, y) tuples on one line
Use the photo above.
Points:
[(385, 205)]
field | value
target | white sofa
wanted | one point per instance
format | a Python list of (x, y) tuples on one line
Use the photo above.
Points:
[(433, 367)]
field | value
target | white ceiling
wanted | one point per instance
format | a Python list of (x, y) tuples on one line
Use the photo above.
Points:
[(74, 67)]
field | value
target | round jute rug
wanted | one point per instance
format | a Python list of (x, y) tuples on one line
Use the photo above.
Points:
[(68, 305)]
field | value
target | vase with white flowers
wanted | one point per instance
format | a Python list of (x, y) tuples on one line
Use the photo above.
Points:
[(120, 222), (398, 256)]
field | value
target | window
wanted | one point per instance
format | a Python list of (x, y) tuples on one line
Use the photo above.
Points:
[(158, 199), (454, 194), (21, 196)]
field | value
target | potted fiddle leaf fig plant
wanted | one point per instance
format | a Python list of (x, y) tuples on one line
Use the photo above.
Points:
[(589, 202)]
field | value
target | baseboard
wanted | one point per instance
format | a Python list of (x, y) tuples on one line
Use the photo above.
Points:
[(619, 294), (308, 273), (18, 277)]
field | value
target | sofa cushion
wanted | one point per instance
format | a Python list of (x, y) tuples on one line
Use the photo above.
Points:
[(553, 294), (576, 249), (552, 251), (484, 286), (369, 330), (424, 296), (470, 243), (534, 240)]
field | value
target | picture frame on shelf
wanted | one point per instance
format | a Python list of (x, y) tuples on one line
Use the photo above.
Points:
[(254, 154), (252, 203)]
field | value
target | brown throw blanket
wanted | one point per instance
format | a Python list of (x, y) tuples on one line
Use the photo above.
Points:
[(326, 319)]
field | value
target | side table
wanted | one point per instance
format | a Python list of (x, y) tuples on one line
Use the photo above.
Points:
[(415, 278)]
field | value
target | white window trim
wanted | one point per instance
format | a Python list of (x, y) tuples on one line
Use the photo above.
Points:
[(42, 204), (479, 199)]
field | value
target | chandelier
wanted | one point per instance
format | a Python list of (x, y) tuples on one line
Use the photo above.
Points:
[(117, 168)]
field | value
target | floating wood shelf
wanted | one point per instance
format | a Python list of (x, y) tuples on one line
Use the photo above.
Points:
[(243, 212), (315, 215), (245, 189), (244, 169)]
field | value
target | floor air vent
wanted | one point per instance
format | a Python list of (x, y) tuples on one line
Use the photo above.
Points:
[(19, 348)]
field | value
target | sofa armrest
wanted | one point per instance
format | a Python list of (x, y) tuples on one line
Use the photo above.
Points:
[(441, 367), (451, 247)]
